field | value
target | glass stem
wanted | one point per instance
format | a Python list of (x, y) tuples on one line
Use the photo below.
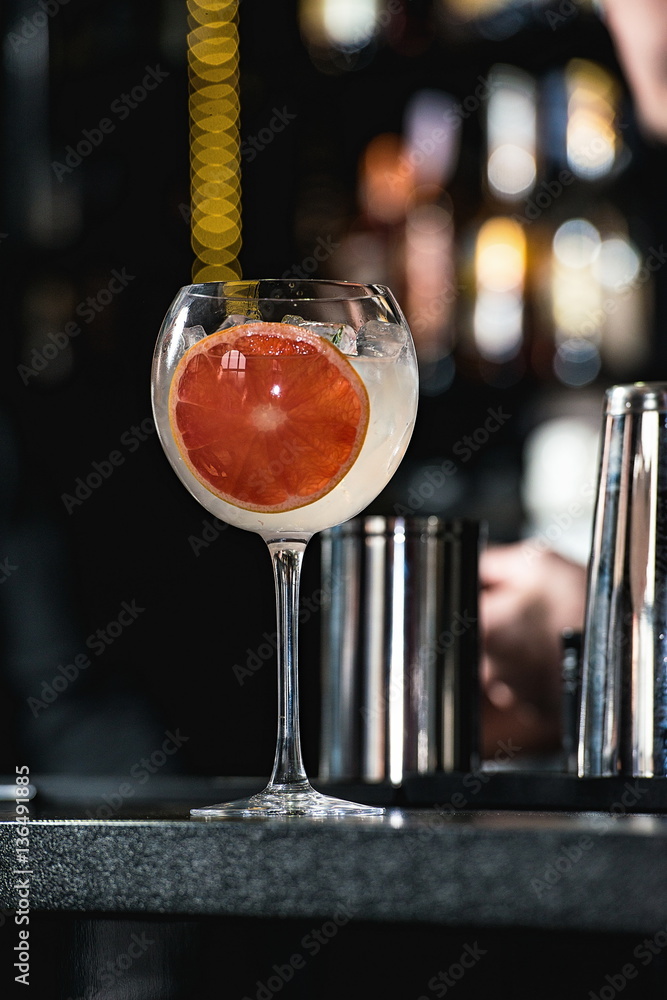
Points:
[(288, 769)]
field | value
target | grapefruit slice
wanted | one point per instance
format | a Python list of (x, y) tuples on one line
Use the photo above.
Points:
[(267, 416)]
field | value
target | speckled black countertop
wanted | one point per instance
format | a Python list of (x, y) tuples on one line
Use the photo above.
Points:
[(490, 867)]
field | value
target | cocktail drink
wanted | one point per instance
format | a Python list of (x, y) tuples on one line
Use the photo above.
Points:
[(285, 407)]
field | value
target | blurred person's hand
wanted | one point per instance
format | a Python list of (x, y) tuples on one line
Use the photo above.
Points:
[(639, 31), (528, 597)]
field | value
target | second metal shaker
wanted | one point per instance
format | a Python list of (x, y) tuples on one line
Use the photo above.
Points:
[(623, 717)]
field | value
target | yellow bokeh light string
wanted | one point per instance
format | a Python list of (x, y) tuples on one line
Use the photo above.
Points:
[(213, 64)]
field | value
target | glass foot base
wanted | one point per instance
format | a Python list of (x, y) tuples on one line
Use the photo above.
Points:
[(280, 801)]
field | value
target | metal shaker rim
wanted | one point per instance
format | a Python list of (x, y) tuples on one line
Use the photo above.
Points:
[(379, 524), (638, 397)]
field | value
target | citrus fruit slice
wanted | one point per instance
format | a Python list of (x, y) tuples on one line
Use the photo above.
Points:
[(267, 416)]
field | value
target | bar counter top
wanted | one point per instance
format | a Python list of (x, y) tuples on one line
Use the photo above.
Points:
[(488, 867)]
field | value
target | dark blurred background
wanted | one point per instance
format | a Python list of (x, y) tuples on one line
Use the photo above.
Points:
[(482, 158)]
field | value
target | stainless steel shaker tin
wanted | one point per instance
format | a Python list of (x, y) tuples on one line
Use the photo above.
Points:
[(623, 715), (399, 648)]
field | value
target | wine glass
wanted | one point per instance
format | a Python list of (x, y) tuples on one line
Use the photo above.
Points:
[(285, 406)]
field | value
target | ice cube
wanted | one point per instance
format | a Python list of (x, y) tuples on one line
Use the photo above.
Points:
[(340, 334), (236, 319), (377, 339), (192, 334)]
